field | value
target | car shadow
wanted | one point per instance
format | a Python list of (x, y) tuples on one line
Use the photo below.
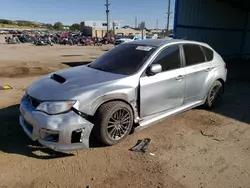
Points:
[(77, 63), (14, 140), (235, 102)]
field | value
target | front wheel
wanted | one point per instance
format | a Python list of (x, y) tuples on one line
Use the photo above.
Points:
[(214, 94), (114, 121)]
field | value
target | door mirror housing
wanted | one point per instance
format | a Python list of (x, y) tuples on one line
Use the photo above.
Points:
[(154, 69)]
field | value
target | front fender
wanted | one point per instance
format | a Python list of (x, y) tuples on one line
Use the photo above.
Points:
[(125, 90), (128, 96)]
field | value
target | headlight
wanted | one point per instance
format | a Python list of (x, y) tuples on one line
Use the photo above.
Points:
[(56, 107)]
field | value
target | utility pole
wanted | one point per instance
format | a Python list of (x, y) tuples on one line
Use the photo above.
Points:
[(142, 27), (107, 14), (113, 27), (136, 22), (157, 24), (168, 16)]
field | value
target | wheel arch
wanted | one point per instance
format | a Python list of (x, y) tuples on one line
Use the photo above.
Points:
[(223, 83), (133, 108), (214, 79)]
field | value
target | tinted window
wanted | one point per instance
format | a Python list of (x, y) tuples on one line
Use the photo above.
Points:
[(124, 59), (169, 58), (193, 54), (208, 53)]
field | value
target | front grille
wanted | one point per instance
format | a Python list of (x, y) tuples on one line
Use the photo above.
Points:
[(34, 102)]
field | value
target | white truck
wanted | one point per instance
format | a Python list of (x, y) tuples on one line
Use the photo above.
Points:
[(129, 38)]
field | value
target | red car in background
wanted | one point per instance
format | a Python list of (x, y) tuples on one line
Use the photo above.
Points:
[(64, 35)]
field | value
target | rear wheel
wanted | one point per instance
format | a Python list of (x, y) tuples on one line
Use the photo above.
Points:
[(113, 122), (214, 94)]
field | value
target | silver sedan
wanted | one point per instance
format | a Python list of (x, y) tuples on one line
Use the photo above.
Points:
[(130, 87)]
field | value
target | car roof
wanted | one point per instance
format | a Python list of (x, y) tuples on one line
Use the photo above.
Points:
[(161, 42)]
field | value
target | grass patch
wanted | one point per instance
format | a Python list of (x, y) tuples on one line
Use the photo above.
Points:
[(18, 26)]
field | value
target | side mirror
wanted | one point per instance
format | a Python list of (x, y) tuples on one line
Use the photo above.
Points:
[(154, 69)]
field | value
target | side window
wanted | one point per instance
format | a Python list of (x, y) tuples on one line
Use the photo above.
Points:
[(193, 54), (169, 58), (208, 53)]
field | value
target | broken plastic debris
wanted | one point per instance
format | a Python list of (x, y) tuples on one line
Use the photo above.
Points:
[(141, 145)]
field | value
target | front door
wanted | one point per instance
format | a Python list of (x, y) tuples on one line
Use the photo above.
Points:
[(164, 90)]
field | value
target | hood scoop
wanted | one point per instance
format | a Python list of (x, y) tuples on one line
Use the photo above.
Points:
[(58, 78)]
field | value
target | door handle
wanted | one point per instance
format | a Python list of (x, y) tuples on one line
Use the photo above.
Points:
[(208, 69), (180, 77)]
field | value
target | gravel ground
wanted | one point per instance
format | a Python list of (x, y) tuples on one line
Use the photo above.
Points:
[(199, 148)]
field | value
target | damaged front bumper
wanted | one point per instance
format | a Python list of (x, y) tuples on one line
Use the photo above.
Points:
[(62, 132)]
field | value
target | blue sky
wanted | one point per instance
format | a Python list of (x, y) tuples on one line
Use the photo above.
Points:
[(75, 11)]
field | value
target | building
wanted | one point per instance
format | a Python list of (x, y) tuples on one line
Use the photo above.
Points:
[(101, 24), (157, 31), (225, 25), (99, 29)]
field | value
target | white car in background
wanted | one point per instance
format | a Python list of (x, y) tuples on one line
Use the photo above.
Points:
[(3, 32), (128, 39)]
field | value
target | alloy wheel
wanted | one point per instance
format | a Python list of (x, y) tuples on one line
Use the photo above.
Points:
[(118, 124), (215, 93)]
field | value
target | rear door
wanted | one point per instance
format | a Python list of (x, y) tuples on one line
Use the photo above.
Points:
[(164, 90), (197, 69)]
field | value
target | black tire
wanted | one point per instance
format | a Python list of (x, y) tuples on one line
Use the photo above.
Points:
[(105, 117), (214, 94)]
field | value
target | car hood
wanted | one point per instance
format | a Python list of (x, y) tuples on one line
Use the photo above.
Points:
[(70, 83)]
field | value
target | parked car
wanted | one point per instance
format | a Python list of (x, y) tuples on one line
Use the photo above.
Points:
[(129, 38), (130, 87), (3, 32)]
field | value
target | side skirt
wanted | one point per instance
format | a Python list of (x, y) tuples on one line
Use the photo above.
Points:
[(150, 120)]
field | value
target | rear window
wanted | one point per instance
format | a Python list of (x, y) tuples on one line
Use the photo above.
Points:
[(208, 53), (193, 54), (124, 59)]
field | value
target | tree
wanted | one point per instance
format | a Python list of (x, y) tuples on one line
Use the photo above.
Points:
[(111, 32), (58, 26), (75, 26), (3, 21), (142, 26), (49, 26), (126, 26)]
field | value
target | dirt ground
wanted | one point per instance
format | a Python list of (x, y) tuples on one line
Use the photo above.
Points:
[(196, 149)]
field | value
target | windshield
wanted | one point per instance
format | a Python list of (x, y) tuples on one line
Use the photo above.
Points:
[(124, 59)]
